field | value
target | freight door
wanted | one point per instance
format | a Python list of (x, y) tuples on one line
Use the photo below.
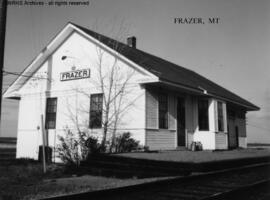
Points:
[(232, 134), (181, 122)]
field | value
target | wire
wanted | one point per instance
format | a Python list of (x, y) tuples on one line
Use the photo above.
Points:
[(263, 128), (18, 74)]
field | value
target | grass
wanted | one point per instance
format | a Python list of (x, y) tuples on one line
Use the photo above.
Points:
[(23, 179), (200, 156)]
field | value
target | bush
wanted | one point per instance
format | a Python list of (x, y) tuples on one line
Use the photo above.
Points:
[(94, 147), (124, 143), (71, 148)]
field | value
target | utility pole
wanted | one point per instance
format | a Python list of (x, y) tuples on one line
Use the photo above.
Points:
[(3, 17), (43, 144)]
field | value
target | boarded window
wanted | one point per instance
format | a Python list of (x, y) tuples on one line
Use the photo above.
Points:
[(203, 115), (96, 103), (163, 111), (51, 107), (220, 117)]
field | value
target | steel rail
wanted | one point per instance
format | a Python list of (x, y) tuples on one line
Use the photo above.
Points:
[(173, 188)]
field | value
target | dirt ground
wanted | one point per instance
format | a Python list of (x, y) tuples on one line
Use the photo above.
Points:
[(25, 180)]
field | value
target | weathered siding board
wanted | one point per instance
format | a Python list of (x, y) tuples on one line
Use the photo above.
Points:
[(160, 139), (221, 141), (151, 110)]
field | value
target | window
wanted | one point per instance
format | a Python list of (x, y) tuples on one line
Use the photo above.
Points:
[(241, 114), (96, 103), (220, 117), (203, 115), (51, 107), (163, 111)]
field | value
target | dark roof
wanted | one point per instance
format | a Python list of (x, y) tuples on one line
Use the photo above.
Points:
[(168, 71)]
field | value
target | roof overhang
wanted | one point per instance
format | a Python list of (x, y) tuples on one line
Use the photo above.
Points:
[(200, 92)]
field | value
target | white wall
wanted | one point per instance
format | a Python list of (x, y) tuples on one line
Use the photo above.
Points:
[(73, 101), (164, 139), (207, 138), (242, 142), (242, 137), (212, 139), (29, 137)]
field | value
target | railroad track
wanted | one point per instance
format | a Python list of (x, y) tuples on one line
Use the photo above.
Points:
[(209, 186)]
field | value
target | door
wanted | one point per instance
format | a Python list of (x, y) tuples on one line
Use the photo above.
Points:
[(181, 122), (237, 136), (232, 134)]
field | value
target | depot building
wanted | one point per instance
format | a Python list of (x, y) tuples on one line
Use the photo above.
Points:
[(166, 106)]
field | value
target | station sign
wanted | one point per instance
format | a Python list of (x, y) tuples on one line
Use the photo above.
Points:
[(76, 74)]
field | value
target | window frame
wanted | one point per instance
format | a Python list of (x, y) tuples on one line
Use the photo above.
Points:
[(206, 114), (163, 111), (97, 113), (51, 110)]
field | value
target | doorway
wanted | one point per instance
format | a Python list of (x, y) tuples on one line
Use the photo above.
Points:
[(181, 122), (232, 134)]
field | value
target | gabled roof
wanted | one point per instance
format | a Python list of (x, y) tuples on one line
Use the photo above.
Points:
[(164, 70), (170, 72)]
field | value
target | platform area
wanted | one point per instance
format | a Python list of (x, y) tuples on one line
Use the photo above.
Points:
[(187, 156)]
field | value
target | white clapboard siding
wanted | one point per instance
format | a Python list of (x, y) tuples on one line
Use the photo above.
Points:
[(160, 139), (221, 141)]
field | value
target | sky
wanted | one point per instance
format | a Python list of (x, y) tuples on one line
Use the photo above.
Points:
[(233, 53)]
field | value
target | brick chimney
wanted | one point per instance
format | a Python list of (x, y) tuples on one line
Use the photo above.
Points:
[(131, 41)]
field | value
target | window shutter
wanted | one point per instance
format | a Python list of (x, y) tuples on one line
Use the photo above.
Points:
[(172, 112), (151, 110), (216, 115), (224, 107)]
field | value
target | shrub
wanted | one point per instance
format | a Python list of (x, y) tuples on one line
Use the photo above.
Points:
[(72, 148), (124, 143), (94, 147)]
